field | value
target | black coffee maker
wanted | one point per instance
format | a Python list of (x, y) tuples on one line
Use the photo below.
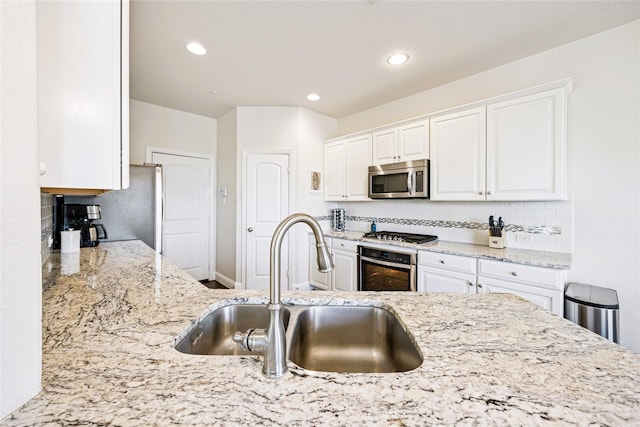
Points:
[(81, 217)]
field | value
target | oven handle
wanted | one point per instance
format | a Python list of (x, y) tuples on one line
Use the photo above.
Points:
[(386, 263)]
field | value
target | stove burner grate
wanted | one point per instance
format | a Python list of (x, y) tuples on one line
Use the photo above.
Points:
[(401, 237)]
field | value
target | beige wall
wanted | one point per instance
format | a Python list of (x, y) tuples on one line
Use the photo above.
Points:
[(20, 274), (603, 150), (160, 127)]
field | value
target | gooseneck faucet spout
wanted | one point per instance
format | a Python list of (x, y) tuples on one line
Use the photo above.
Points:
[(272, 342)]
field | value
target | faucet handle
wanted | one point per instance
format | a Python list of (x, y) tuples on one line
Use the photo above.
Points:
[(254, 340), (242, 340)]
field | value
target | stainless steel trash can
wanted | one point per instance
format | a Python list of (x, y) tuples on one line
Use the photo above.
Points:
[(594, 308)]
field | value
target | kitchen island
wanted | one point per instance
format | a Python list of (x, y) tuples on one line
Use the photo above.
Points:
[(110, 318)]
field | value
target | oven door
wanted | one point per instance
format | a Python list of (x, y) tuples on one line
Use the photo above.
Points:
[(378, 275)]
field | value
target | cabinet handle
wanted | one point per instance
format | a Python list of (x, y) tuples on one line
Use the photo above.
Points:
[(513, 273)]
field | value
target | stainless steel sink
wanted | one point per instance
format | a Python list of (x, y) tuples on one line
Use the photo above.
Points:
[(351, 339), (318, 337), (213, 335)]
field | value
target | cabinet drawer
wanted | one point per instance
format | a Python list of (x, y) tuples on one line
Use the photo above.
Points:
[(450, 262), (548, 277), (345, 245)]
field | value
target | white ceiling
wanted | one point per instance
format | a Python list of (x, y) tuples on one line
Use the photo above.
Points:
[(275, 53)]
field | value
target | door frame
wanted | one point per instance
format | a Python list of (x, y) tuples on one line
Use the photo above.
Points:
[(243, 206), (212, 202)]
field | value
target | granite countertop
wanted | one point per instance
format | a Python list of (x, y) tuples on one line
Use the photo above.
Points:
[(110, 317), (556, 260)]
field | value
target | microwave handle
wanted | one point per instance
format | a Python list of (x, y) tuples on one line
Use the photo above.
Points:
[(410, 182)]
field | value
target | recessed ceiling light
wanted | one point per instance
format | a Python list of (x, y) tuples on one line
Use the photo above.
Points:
[(397, 59), (196, 48), (313, 97)]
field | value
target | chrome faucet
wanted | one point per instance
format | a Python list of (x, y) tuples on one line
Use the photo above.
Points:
[(271, 342)]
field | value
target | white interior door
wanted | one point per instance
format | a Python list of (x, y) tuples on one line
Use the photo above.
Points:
[(266, 204), (187, 209)]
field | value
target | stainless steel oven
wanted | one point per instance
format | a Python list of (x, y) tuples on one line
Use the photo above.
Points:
[(384, 270)]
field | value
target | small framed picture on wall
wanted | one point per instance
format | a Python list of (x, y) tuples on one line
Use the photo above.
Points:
[(315, 184)]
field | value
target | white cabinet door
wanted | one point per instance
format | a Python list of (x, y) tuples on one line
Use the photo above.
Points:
[(346, 169), (316, 278), (356, 164), (345, 272), (83, 99), (439, 280), (550, 300), (384, 147), (526, 140), (334, 172), (458, 155), (413, 141), (401, 144)]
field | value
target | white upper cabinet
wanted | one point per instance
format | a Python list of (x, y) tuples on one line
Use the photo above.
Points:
[(526, 147), (384, 147), (458, 146), (83, 85), (508, 150), (400, 144), (413, 141), (346, 169)]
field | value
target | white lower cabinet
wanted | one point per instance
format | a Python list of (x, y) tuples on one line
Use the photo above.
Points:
[(542, 286), (548, 299), (439, 280), (344, 276), (452, 273), (316, 278), (446, 273), (345, 272)]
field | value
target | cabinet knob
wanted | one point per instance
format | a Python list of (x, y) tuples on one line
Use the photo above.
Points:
[(250, 229), (469, 283), (480, 193), (513, 273), (480, 285), (441, 261), (488, 193)]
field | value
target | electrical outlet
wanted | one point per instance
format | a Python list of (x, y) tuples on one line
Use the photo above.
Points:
[(523, 237)]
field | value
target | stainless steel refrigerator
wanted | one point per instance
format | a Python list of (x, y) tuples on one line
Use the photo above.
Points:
[(134, 213)]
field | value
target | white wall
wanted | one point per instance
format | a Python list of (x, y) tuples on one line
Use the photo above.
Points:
[(20, 274), (227, 220), (155, 126), (603, 150), (266, 128)]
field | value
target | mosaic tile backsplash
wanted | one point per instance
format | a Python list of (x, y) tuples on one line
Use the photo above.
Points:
[(46, 225), (529, 225)]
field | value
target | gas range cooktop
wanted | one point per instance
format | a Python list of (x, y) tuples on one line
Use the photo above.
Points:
[(401, 237)]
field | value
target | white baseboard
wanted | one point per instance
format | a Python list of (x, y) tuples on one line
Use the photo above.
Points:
[(229, 283)]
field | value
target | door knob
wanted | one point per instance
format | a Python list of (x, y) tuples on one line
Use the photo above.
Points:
[(250, 229)]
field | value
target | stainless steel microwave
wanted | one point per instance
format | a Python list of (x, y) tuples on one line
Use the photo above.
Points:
[(403, 180)]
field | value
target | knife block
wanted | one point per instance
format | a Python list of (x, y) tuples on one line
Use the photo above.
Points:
[(497, 242)]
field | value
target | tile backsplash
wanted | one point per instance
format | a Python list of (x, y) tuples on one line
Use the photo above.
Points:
[(46, 225), (543, 226)]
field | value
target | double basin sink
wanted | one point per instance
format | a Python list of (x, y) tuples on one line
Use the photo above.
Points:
[(326, 338)]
